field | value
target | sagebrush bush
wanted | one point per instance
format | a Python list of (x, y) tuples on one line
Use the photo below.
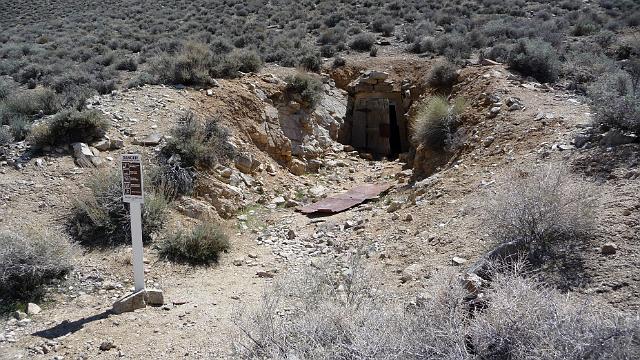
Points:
[(30, 260), (199, 144), (242, 60), (174, 180), (202, 245), (128, 64), (6, 136), (327, 314), (544, 213), (190, 66), (101, 219), (534, 58), (305, 88), (362, 42), (616, 100), (435, 123), (70, 126), (443, 75)]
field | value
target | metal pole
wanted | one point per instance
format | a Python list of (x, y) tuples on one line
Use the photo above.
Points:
[(136, 237)]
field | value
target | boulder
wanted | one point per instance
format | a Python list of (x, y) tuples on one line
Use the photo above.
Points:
[(244, 163), (150, 140), (411, 272), (154, 297), (130, 303), (33, 309), (297, 167), (609, 248)]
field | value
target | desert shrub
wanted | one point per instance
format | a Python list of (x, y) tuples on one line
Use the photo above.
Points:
[(616, 100), (543, 213), (499, 52), (242, 60), (6, 88), (383, 25), (332, 36), (311, 61), (32, 102), (442, 75), (202, 245), (435, 123), (197, 144), (6, 136), (374, 51), (583, 27), (423, 44), (128, 64), (338, 62), (141, 79), (534, 58), (173, 180), (30, 260), (189, 67), (452, 46), (327, 51), (362, 42), (101, 219), (527, 320), (327, 314), (305, 88), (70, 126)]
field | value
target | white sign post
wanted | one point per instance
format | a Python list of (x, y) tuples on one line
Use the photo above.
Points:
[(133, 193)]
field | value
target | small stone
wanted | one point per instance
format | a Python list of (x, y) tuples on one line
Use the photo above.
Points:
[(279, 200), (130, 303), (409, 217), (411, 272), (238, 262), (609, 248), (394, 206), (20, 315), (626, 212), (107, 345), (33, 309), (154, 297), (291, 234), (457, 261)]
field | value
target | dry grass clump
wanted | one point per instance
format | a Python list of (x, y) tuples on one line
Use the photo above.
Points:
[(328, 314), (535, 58), (201, 246), (100, 218), (435, 123), (30, 260), (542, 212), (616, 98)]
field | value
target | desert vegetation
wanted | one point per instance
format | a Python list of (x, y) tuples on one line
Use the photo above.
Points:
[(200, 246), (30, 260), (336, 316), (101, 219), (436, 122)]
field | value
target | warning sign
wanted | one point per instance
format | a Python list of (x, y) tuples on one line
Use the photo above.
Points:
[(132, 186)]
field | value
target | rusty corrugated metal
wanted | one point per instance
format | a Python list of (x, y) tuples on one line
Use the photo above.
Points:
[(341, 202)]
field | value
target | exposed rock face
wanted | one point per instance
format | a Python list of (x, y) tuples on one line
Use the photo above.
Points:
[(427, 161)]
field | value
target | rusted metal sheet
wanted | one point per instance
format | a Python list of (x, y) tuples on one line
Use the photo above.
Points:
[(341, 202)]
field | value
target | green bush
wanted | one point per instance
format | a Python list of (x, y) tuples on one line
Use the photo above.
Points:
[(30, 260), (534, 58), (70, 126), (202, 245), (362, 42), (443, 75), (305, 88), (128, 64), (311, 61), (435, 123), (197, 144), (101, 219)]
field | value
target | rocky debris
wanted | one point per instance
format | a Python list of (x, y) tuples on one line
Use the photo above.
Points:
[(488, 141), (544, 116), (33, 309), (85, 156), (514, 104), (472, 283), (493, 112), (609, 248), (411, 272), (297, 167), (19, 315), (489, 62), (149, 140), (394, 206), (246, 163)]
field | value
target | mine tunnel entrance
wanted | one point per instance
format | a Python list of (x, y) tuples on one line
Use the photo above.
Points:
[(375, 120)]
